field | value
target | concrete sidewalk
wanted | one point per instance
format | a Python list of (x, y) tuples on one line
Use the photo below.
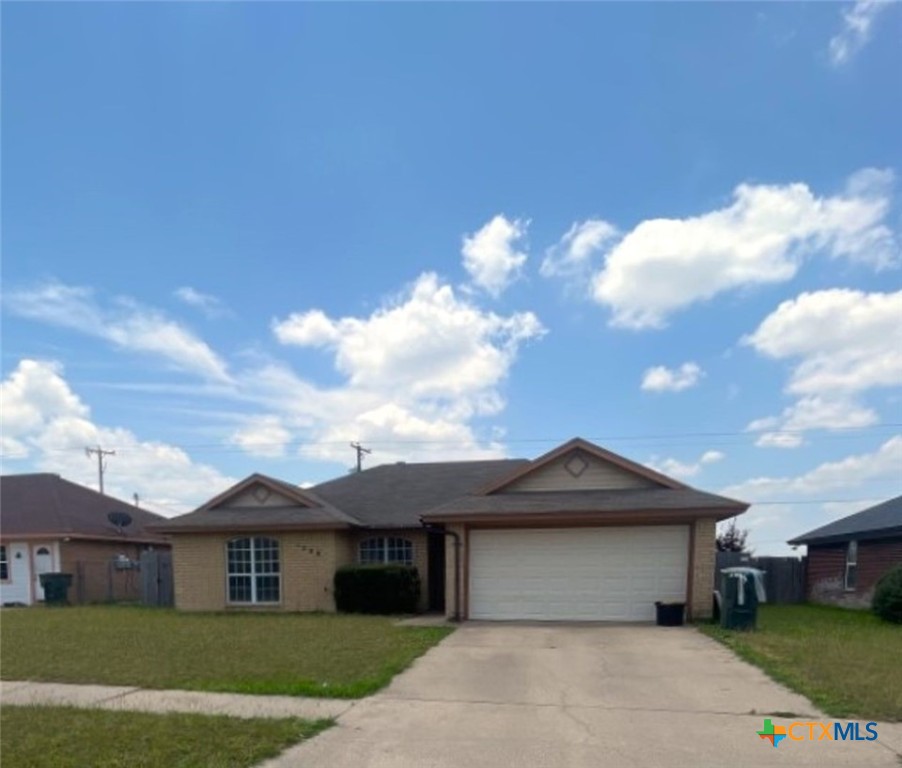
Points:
[(143, 700)]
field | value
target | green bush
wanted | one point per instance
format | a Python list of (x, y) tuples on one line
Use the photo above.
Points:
[(383, 589), (887, 602)]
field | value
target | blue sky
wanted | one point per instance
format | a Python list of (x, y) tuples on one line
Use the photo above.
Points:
[(237, 237)]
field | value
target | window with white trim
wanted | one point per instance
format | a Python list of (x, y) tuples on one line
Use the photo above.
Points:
[(253, 571), (851, 577), (386, 549), (4, 564)]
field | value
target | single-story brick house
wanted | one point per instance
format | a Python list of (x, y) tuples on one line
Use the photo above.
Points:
[(577, 534), (50, 524), (847, 557)]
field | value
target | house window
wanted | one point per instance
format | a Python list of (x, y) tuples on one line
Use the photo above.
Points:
[(851, 578), (4, 564), (253, 570), (386, 549)]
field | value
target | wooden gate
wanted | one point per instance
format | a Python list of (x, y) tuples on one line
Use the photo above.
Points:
[(156, 578)]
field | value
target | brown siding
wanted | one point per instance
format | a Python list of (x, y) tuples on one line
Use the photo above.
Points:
[(94, 580), (827, 567), (308, 562), (598, 475)]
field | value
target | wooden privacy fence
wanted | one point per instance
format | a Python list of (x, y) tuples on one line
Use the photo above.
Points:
[(784, 577)]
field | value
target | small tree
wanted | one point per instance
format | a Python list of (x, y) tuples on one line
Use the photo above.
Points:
[(732, 538)]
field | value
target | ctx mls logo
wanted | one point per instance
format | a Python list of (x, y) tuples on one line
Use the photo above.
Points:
[(817, 731)]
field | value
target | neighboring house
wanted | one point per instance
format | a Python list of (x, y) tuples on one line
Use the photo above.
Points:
[(577, 534), (846, 558), (50, 524)]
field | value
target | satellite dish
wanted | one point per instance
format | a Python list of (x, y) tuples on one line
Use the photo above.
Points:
[(120, 519)]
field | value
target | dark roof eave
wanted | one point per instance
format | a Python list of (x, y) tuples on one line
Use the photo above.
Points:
[(173, 530), (720, 513), (19, 536), (838, 538)]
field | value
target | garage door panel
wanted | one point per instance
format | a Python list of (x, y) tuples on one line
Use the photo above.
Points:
[(600, 574)]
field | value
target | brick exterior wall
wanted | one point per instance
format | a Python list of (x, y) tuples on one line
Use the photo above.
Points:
[(308, 564), (94, 581), (827, 568), (704, 553)]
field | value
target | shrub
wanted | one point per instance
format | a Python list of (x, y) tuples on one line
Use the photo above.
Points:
[(887, 602), (381, 589)]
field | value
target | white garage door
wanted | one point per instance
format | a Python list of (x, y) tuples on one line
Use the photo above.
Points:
[(577, 574)]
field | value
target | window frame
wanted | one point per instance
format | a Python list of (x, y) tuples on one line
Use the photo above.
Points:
[(4, 563), (255, 565), (386, 547), (851, 567)]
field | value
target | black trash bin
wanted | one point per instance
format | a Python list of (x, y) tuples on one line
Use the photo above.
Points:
[(670, 614), (56, 587)]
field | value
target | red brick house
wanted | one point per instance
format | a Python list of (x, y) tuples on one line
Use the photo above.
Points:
[(847, 557)]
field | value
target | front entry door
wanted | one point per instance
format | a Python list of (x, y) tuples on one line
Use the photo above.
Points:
[(43, 563)]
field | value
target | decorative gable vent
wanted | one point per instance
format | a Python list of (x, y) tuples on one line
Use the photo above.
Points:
[(576, 464)]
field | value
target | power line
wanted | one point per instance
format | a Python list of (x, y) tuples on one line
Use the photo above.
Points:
[(846, 433)]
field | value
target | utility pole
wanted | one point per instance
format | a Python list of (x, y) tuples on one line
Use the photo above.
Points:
[(101, 462), (360, 451)]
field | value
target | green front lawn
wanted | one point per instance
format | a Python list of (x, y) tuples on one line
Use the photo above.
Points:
[(295, 654), (65, 737), (849, 663)]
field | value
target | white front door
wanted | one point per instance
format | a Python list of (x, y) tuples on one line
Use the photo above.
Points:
[(573, 574), (43, 563)]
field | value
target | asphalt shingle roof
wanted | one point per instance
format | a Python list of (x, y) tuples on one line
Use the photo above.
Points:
[(396, 495), (873, 522), (545, 502), (47, 504)]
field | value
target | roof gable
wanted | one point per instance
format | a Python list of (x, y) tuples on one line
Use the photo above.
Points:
[(579, 465), (260, 503), (260, 491)]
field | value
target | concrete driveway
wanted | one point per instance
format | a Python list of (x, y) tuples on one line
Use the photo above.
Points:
[(498, 695)]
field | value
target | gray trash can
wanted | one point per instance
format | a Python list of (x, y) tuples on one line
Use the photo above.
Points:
[(741, 590)]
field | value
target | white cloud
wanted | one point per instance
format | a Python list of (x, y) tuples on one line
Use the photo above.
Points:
[(417, 370), (663, 379), (827, 478), (679, 469), (856, 29), (572, 256), (779, 440), (127, 326), (844, 343), (761, 237), (210, 305), (491, 256), (847, 341), (263, 436), (45, 417)]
